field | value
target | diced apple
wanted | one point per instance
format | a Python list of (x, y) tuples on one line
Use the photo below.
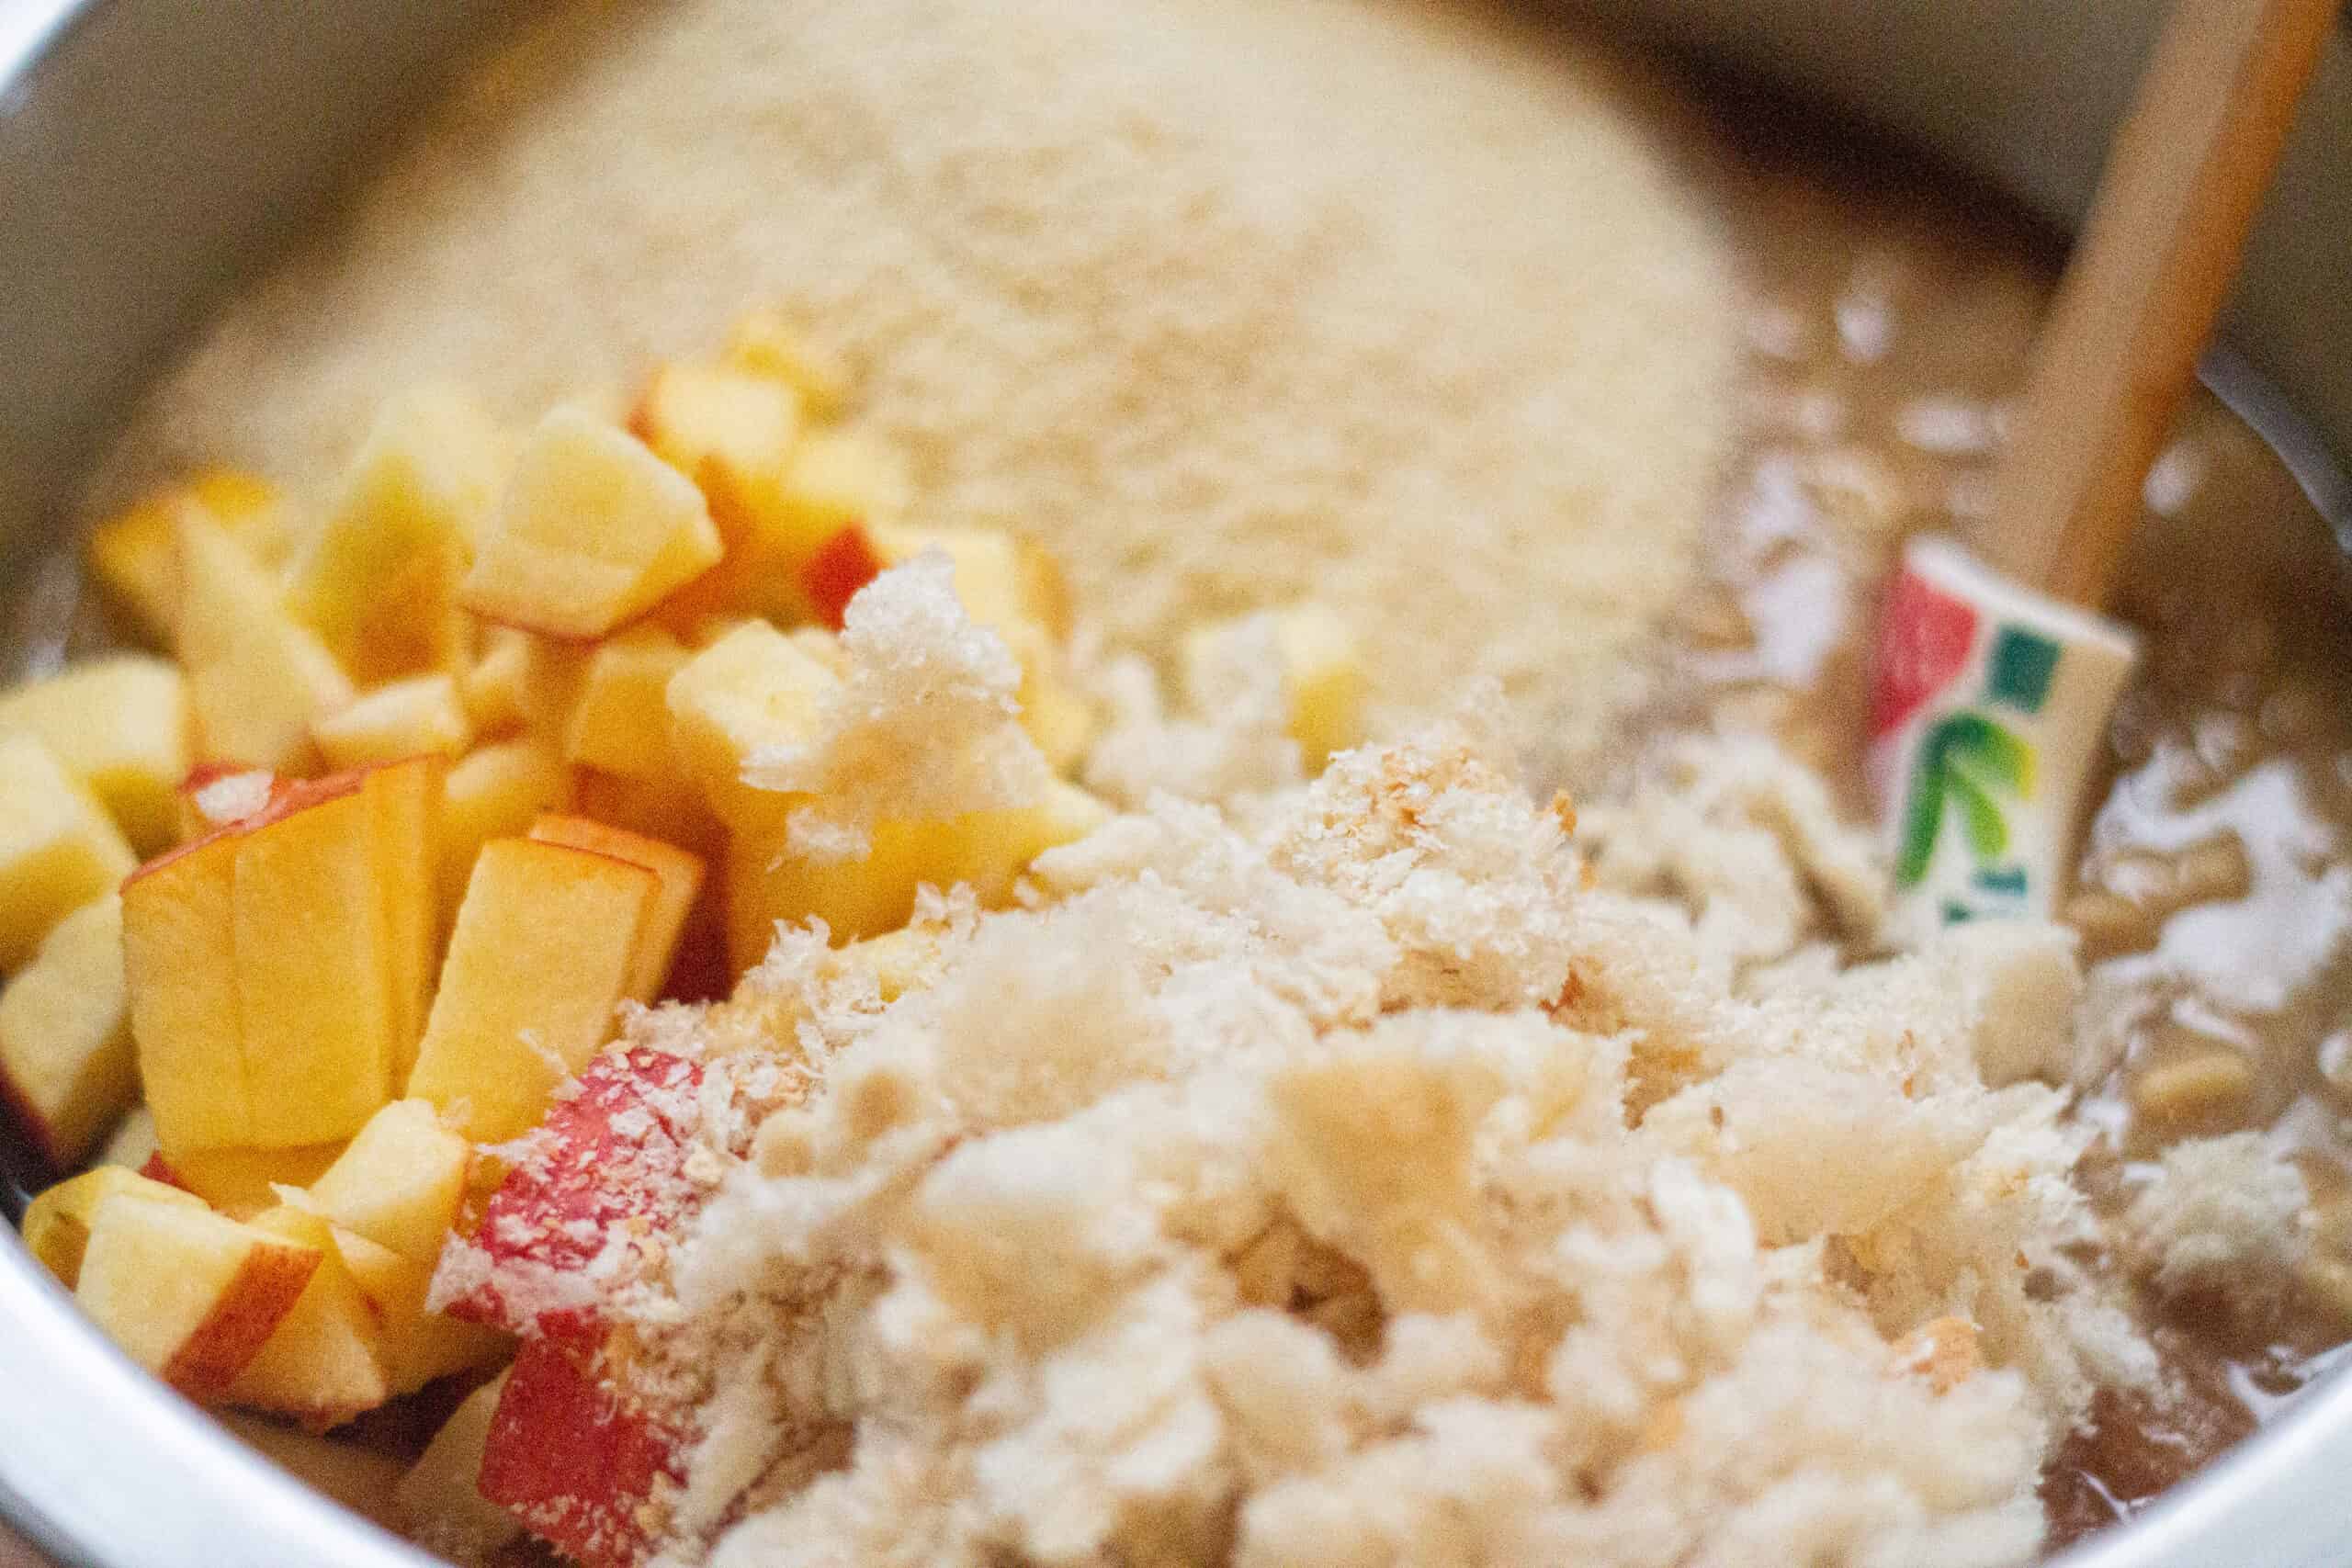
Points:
[(414, 1345), (57, 1221), (752, 688), (496, 792), (408, 802), (277, 968), (404, 719), (399, 1182), (671, 810), (692, 414), (120, 725), (607, 1161), (1324, 683), (492, 689), (577, 1458), (763, 344), (841, 567), (66, 1059), (242, 1183), (315, 973), (180, 965), (133, 1143), (362, 1478), (538, 963), (522, 682), (619, 722), (323, 1364), (592, 530), (58, 848), (1013, 588), (256, 676), (838, 477), (440, 1501), (767, 882), (187, 1293), (681, 877), (378, 580), (134, 557)]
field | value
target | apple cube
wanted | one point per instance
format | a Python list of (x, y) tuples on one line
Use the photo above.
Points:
[(608, 1160), (277, 969), (399, 1181), (545, 945), (120, 725), (753, 687), (680, 874), (837, 477), (522, 682), (404, 719), (256, 677), (692, 414), (576, 1458), (66, 1059), (242, 1183), (765, 344), (671, 810), (378, 580), (592, 530), (619, 722), (315, 972), (136, 560), (189, 1294), (58, 850), (440, 1501), (361, 1479), (495, 791), (415, 1346), (1324, 684), (57, 1223), (133, 1143), (767, 882), (841, 567), (321, 1365), (1013, 587)]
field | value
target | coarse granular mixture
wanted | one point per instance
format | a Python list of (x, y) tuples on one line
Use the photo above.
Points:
[(1419, 1177), (1227, 303)]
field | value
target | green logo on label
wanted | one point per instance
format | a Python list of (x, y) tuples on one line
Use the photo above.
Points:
[(2021, 666), (1969, 763)]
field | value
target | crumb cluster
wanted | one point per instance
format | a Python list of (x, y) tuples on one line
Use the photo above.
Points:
[(1412, 1177)]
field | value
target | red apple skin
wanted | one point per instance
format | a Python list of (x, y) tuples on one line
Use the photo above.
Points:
[(576, 1459), (843, 565), (612, 1155)]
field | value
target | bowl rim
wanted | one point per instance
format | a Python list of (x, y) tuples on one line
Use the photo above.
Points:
[(121, 1472)]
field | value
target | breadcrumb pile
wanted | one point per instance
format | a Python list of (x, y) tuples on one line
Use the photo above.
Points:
[(1414, 1176)]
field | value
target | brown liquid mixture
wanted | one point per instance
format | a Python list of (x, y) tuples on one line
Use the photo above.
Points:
[(1893, 316)]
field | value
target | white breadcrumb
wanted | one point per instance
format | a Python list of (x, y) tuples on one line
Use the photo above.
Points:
[(1372, 1187), (925, 723), (2225, 1213)]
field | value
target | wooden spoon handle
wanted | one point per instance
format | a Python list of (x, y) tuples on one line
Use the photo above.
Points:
[(2155, 261)]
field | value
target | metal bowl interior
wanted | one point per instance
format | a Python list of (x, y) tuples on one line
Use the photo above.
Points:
[(153, 165)]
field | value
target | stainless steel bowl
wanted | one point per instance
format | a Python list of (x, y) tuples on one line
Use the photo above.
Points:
[(153, 154)]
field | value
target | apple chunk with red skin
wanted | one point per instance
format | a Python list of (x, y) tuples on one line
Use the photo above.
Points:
[(277, 967), (608, 1159), (576, 1458), (187, 1293), (574, 1449)]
